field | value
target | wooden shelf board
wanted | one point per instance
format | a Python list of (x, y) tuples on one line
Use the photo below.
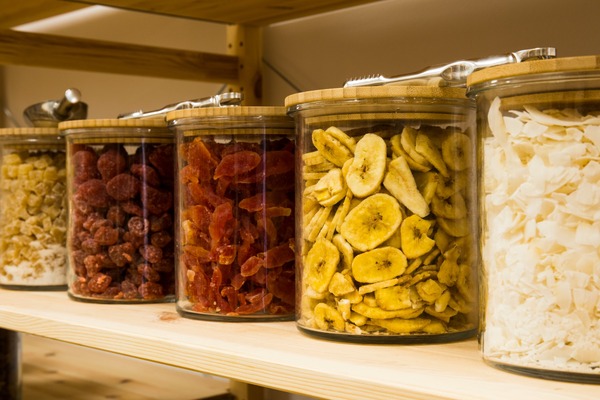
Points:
[(246, 12), (55, 370), (45, 50), (276, 355), (21, 12)]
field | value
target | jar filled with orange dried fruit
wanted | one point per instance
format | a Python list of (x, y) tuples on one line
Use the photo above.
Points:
[(120, 176), (235, 228), (386, 214)]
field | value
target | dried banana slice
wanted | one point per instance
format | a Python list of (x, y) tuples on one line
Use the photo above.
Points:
[(401, 184), (457, 151), (413, 235), (379, 313), (372, 222), (398, 151), (403, 326), (367, 169), (378, 265), (427, 183), (320, 264), (340, 135), (372, 287), (430, 290), (455, 227), (425, 147), (393, 298), (453, 207), (330, 189), (449, 269), (456, 182), (341, 284), (345, 250), (330, 147), (328, 317), (408, 140)]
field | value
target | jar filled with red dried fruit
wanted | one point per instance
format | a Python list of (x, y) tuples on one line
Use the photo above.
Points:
[(33, 216), (386, 214), (121, 210), (235, 228)]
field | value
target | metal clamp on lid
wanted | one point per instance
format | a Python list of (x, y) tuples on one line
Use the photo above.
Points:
[(220, 100), (454, 73), (50, 113)]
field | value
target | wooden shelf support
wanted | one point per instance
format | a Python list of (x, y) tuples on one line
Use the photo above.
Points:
[(245, 43), (44, 50)]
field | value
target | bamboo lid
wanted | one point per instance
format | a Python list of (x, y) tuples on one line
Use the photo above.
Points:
[(237, 111), (375, 92), (28, 131), (113, 123), (566, 64)]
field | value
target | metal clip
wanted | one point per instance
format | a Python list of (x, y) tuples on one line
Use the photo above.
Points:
[(220, 100), (455, 73)]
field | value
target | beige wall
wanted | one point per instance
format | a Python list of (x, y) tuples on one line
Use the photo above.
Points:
[(389, 37)]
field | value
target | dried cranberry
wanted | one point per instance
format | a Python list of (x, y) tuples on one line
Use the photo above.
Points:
[(112, 162), (94, 193)]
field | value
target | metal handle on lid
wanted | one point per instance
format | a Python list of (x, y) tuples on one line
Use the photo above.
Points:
[(455, 73), (220, 100), (51, 112)]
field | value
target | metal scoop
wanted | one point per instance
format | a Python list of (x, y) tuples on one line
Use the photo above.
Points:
[(50, 113), (455, 73), (219, 100)]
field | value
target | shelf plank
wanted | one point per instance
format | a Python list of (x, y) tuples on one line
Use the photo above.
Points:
[(21, 12), (276, 355), (246, 12), (45, 50), (58, 370)]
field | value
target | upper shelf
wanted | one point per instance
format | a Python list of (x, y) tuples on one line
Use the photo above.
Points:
[(242, 12), (276, 354)]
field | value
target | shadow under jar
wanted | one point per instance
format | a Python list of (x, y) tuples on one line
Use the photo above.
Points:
[(539, 139), (235, 223), (33, 215), (386, 214), (120, 180)]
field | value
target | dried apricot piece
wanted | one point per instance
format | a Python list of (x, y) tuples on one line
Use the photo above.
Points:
[(237, 163)]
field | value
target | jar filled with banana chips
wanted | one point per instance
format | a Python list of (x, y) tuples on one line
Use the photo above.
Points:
[(539, 133), (33, 216), (386, 214), (235, 228)]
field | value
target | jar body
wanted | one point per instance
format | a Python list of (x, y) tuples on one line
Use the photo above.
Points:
[(33, 215), (121, 211), (386, 234), (539, 159), (235, 225)]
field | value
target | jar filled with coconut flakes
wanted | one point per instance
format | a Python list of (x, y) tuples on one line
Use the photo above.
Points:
[(539, 136), (33, 215)]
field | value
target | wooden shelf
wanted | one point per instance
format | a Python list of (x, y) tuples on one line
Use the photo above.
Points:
[(54, 370), (276, 355)]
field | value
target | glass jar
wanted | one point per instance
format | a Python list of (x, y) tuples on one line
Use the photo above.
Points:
[(121, 210), (539, 140), (33, 216), (235, 227), (386, 214)]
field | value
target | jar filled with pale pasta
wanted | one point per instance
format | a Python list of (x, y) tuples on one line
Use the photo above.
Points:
[(385, 217), (33, 214), (539, 141)]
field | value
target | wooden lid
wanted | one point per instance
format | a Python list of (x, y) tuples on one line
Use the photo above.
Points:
[(28, 131), (237, 111), (375, 92), (113, 123), (566, 64)]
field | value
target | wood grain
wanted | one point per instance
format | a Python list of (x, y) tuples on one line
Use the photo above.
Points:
[(276, 354), (54, 51), (247, 12), (54, 370), (20, 12)]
